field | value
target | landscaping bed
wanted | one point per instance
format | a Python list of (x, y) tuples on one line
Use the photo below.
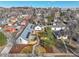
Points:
[(19, 48)]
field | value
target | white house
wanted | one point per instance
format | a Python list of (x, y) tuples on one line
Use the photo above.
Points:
[(38, 28), (57, 25), (62, 37)]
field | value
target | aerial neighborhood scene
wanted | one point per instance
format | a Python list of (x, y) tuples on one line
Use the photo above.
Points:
[(39, 28)]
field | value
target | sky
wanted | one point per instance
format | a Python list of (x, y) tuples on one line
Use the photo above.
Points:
[(61, 4)]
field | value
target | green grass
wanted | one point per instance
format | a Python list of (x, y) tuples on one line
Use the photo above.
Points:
[(2, 39), (51, 40)]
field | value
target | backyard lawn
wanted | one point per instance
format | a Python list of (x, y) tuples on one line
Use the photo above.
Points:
[(48, 38), (2, 39)]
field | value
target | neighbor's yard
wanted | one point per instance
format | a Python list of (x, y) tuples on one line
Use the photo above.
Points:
[(2, 39)]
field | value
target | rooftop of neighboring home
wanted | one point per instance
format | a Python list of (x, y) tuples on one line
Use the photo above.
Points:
[(10, 29), (25, 34)]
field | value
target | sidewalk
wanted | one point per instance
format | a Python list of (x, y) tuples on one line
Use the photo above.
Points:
[(7, 48)]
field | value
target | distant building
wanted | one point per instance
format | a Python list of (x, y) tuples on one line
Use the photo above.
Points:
[(23, 23), (13, 19), (59, 29), (58, 25), (61, 34), (11, 30), (2, 21)]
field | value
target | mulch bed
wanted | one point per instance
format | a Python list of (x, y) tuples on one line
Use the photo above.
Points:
[(49, 50), (18, 47)]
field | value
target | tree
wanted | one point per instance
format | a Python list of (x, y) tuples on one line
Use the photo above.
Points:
[(50, 41), (62, 13), (50, 18)]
